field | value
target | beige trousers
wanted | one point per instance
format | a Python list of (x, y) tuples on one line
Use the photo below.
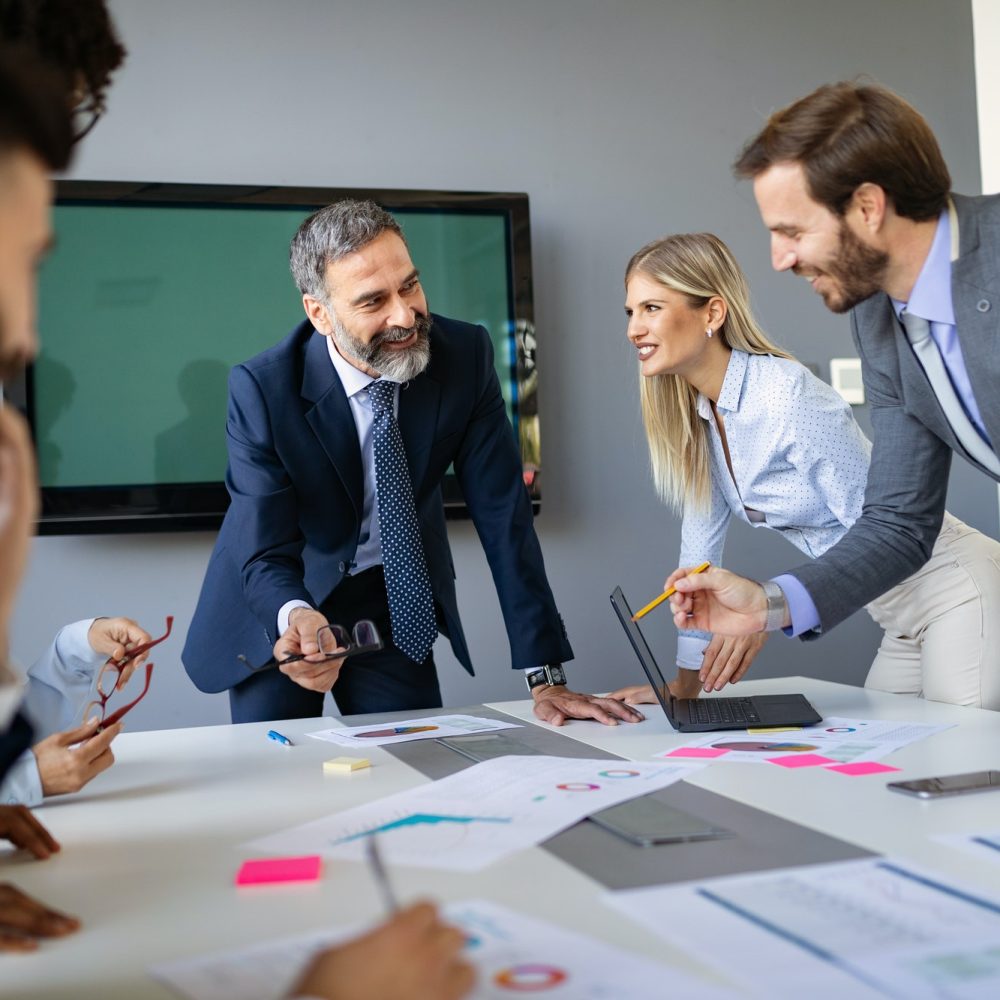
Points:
[(942, 625)]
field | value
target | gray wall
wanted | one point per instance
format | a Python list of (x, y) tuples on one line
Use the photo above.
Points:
[(620, 121)]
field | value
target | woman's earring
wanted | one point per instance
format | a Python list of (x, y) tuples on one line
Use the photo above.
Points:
[(708, 332)]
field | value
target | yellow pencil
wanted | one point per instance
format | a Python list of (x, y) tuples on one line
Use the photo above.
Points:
[(667, 593)]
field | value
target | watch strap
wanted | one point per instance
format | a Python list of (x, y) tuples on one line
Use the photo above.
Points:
[(777, 606), (549, 675)]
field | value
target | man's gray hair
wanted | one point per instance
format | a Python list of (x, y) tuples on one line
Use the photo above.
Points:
[(332, 233)]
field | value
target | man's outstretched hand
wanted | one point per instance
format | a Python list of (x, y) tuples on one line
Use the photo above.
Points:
[(556, 704)]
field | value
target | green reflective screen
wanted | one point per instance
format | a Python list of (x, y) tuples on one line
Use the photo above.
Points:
[(143, 311)]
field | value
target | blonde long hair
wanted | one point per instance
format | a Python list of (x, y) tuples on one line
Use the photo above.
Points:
[(700, 267)]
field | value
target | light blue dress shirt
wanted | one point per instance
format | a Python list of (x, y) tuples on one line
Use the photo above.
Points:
[(800, 463), (59, 684)]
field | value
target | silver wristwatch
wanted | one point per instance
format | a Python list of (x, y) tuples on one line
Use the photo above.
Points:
[(777, 606), (548, 675)]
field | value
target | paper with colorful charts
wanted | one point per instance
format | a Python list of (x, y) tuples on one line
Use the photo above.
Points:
[(470, 819), (431, 727), (514, 955), (844, 741)]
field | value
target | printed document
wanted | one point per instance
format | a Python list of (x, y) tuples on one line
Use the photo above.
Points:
[(470, 819)]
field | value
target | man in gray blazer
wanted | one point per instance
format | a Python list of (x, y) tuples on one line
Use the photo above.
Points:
[(852, 185)]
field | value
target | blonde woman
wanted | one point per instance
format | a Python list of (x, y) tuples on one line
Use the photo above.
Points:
[(737, 429)]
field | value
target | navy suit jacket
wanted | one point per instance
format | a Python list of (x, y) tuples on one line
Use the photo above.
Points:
[(912, 439), (296, 486)]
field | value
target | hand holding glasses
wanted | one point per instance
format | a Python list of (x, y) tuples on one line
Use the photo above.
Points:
[(334, 642), (110, 676)]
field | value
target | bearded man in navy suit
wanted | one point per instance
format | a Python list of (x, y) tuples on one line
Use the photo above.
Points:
[(301, 544)]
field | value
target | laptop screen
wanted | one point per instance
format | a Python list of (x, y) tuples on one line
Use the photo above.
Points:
[(643, 651)]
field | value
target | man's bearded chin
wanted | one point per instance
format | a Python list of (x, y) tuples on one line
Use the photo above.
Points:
[(859, 268), (394, 364)]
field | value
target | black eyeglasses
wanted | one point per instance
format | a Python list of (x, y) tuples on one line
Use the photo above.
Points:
[(335, 643), (85, 117)]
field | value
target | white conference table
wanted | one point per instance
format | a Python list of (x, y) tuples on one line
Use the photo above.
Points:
[(151, 848)]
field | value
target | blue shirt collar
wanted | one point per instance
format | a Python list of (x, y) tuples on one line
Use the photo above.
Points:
[(732, 387), (931, 295)]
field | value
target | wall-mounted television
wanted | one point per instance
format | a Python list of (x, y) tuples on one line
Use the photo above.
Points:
[(154, 291)]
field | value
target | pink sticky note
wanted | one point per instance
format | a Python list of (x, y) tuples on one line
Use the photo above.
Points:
[(696, 752), (303, 869), (801, 760), (862, 767)]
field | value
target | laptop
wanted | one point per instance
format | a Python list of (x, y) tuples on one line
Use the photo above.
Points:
[(708, 715)]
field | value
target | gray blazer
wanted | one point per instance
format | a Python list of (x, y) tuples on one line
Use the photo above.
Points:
[(913, 442)]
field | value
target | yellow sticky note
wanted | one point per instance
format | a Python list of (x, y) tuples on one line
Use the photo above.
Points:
[(344, 765), (776, 729)]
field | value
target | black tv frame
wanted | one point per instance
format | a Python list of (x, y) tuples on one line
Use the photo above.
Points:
[(196, 506)]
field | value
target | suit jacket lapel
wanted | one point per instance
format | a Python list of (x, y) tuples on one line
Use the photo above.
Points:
[(331, 419), (918, 395), (976, 299), (419, 400)]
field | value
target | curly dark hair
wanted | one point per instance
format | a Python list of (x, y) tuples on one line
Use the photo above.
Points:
[(76, 38), (33, 114)]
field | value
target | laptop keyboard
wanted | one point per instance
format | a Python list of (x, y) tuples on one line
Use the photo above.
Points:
[(714, 710)]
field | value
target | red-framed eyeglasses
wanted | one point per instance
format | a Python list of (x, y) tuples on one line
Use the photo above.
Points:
[(109, 676)]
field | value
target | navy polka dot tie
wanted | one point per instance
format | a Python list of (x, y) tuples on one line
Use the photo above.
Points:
[(411, 603)]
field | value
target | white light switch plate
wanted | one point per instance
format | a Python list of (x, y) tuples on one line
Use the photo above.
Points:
[(845, 377)]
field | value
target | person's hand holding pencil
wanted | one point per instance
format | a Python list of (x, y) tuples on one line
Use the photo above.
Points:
[(669, 592)]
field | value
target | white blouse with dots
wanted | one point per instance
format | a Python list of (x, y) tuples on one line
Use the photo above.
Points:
[(799, 459)]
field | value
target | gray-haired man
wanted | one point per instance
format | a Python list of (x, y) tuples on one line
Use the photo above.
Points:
[(339, 438)]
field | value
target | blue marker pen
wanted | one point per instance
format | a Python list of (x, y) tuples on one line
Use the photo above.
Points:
[(273, 734)]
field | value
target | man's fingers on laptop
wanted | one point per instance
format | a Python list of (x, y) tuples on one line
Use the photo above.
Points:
[(727, 658)]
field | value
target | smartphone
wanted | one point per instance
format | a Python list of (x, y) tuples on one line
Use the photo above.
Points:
[(949, 784), (647, 821)]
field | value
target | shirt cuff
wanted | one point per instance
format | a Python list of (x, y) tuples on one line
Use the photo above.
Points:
[(22, 784), (691, 649), (805, 617), (286, 610), (73, 647)]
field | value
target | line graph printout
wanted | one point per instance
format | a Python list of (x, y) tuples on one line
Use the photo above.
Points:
[(871, 928), (470, 819), (430, 727), (514, 955)]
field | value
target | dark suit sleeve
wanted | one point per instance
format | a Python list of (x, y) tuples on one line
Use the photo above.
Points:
[(14, 740), (268, 545), (488, 466), (903, 509)]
